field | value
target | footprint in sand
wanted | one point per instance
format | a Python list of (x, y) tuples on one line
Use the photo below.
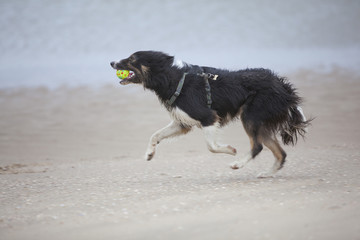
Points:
[(17, 168)]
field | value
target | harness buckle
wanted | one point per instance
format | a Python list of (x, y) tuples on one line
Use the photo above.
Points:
[(209, 76)]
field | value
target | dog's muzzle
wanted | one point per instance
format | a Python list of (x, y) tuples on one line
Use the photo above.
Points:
[(113, 64)]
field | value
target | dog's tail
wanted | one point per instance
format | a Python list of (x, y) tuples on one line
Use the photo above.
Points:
[(295, 125)]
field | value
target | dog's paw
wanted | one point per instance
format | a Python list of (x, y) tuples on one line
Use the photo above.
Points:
[(149, 156), (236, 165), (232, 150)]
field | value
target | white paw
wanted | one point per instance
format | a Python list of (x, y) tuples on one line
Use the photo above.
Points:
[(236, 165), (231, 150), (149, 155)]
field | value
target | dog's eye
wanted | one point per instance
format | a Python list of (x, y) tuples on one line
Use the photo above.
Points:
[(132, 58)]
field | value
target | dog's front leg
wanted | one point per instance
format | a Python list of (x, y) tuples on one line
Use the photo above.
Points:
[(211, 140), (171, 130)]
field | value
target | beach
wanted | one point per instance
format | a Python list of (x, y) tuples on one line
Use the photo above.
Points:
[(72, 166)]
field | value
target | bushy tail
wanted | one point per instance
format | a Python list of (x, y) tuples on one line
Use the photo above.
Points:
[(295, 125)]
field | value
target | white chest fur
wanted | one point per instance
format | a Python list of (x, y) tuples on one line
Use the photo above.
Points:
[(182, 117)]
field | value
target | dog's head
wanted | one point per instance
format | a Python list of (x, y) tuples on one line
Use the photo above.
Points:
[(143, 65)]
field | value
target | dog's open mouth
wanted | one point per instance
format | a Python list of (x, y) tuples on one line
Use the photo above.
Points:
[(126, 80)]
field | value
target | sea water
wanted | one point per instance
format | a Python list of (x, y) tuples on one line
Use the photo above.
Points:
[(55, 43)]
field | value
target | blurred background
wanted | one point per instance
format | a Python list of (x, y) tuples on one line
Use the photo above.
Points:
[(56, 43), (72, 139)]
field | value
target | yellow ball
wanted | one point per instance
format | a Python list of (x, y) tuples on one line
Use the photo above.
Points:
[(122, 74)]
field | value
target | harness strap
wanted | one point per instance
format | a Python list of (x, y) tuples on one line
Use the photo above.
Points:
[(208, 92), (206, 77), (178, 91)]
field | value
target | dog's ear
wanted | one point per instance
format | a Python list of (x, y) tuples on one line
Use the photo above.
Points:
[(166, 60), (170, 59), (161, 63)]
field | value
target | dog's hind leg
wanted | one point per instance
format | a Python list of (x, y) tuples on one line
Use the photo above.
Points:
[(171, 130), (211, 133), (256, 148), (252, 131), (279, 154)]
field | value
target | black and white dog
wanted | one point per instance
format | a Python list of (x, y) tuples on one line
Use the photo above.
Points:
[(209, 98)]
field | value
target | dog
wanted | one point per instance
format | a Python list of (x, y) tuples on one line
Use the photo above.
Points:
[(209, 98)]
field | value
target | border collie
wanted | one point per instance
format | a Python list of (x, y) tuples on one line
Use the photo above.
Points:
[(209, 98)]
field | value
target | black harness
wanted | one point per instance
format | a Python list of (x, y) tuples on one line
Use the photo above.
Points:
[(206, 76), (177, 92)]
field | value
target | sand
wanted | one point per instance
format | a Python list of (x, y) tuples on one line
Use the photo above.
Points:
[(72, 167)]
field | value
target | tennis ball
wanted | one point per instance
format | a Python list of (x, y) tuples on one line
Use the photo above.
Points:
[(122, 74)]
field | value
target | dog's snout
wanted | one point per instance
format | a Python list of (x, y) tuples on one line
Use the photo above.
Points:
[(112, 64)]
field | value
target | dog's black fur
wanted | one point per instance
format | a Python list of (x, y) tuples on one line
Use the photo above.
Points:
[(266, 103)]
